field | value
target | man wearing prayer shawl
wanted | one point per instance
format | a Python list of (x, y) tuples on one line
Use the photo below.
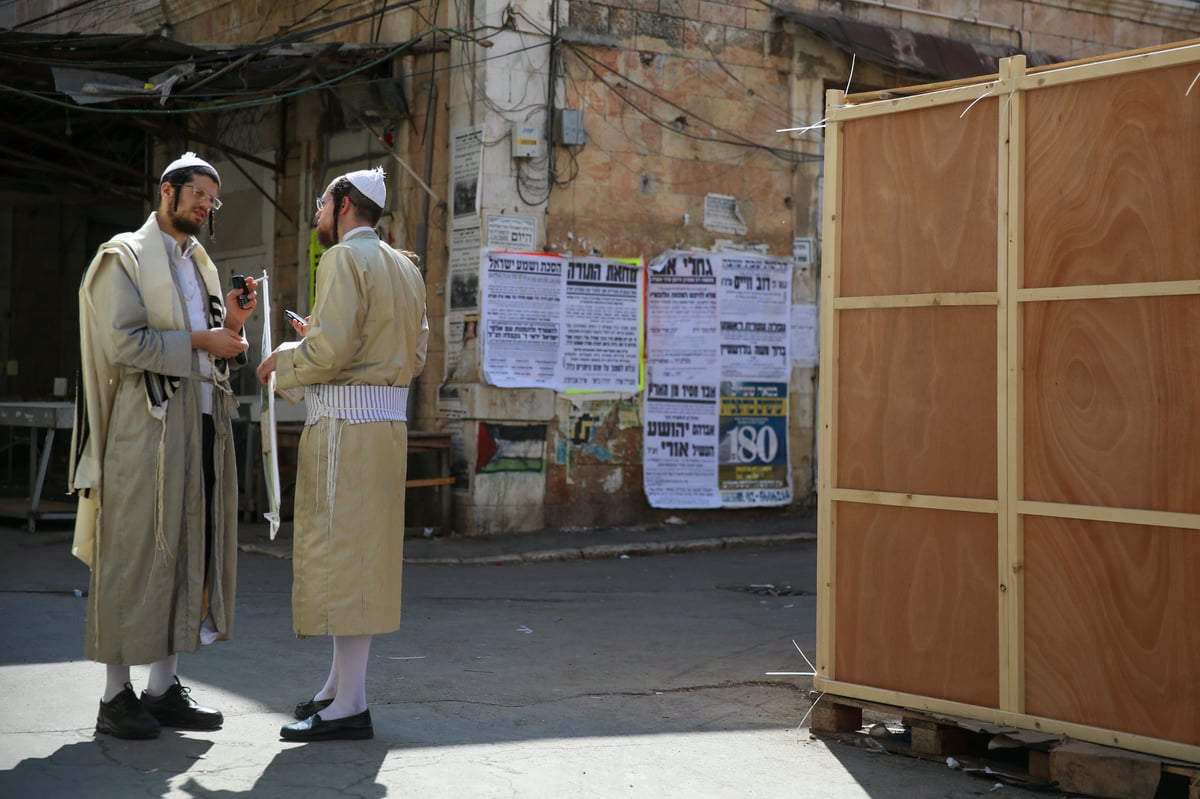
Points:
[(153, 461), (364, 343)]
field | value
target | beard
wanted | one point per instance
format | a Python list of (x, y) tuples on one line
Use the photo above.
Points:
[(184, 223), (325, 237)]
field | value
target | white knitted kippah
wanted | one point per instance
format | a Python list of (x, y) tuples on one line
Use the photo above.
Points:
[(371, 183), (188, 160)]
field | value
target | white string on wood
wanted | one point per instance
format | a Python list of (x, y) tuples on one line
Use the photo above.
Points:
[(1192, 84), (972, 105), (805, 129)]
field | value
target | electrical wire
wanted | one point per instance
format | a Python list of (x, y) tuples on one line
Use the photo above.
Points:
[(260, 47), (58, 12), (734, 138), (456, 36), (260, 100)]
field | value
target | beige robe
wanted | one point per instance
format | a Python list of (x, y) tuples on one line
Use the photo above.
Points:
[(141, 517), (368, 328)]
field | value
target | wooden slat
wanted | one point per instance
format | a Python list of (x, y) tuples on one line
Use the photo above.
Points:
[(1150, 57), (827, 413), (1148, 518), (1008, 413), (1110, 291), (959, 504), (902, 97), (1110, 66), (918, 300), (957, 95)]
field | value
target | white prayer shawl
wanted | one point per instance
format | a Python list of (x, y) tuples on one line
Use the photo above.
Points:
[(149, 269), (141, 521)]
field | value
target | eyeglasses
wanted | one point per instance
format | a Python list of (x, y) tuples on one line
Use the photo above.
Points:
[(205, 197), (321, 202)]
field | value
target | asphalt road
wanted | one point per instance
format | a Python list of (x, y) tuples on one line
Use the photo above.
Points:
[(618, 677)]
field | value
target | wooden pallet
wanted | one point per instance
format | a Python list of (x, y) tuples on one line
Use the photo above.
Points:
[(1021, 757)]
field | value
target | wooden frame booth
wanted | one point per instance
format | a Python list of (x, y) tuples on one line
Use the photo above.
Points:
[(1009, 440)]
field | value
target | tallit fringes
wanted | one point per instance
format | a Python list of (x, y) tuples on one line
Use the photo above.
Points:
[(160, 539), (334, 443)]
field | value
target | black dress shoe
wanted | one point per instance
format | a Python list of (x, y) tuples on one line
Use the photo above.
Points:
[(176, 709), (124, 717), (314, 728), (314, 705)]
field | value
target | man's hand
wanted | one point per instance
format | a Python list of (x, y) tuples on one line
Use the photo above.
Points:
[(299, 323), (236, 316), (220, 342), (264, 370)]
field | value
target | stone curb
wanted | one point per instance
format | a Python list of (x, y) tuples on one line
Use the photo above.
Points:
[(600, 551), (593, 552)]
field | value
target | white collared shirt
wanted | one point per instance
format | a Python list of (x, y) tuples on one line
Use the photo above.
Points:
[(350, 233), (195, 297)]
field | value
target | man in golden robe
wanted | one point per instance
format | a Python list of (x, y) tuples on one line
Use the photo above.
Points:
[(364, 344), (154, 461)]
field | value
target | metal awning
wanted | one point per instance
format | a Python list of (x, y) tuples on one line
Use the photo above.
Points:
[(935, 57), (80, 107)]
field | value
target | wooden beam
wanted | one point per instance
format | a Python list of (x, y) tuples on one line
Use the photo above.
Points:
[(917, 300), (1011, 210), (1110, 291), (1149, 518), (827, 396), (961, 504)]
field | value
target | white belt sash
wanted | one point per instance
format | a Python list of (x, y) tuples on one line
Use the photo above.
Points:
[(356, 404)]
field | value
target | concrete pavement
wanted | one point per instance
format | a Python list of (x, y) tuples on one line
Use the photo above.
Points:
[(562, 672)]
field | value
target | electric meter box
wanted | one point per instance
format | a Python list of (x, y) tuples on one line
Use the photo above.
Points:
[(526, 141), (568, 127)]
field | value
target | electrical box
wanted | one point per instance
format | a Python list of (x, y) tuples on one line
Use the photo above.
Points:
[(568, 127), (526, 140)]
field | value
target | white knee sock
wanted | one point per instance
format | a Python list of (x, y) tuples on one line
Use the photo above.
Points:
[(329, 689), (351, 653), (115, 677), (162, 675)]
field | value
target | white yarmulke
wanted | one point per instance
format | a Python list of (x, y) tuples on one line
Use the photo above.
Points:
[(188, 160), (371, 183)]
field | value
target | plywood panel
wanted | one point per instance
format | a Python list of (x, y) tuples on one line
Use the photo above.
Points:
[(1111, 634), (1111, 399), (916, 601), (1112, 180), (919, 208), (917, 401)]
